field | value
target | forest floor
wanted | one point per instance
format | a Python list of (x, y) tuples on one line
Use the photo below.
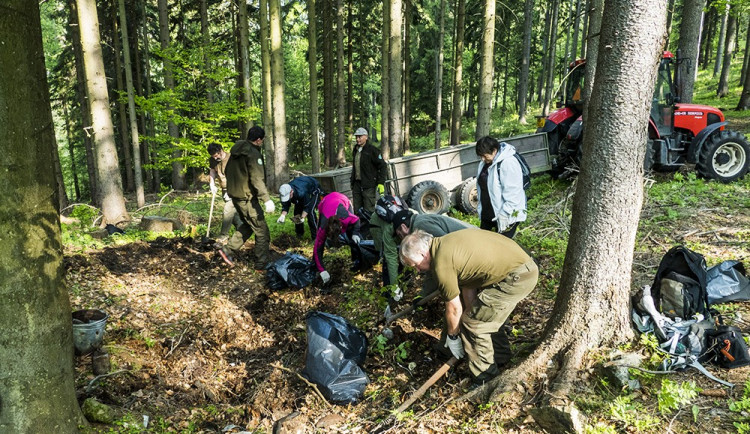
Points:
[(198, 347)]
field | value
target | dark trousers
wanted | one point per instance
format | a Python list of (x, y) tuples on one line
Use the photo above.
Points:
[(363, 198), (253, 221)]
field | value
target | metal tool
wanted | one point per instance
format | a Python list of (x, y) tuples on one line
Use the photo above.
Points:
[(207, 238), (387, 332)]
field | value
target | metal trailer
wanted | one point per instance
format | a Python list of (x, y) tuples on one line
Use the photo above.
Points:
[(434, 180)]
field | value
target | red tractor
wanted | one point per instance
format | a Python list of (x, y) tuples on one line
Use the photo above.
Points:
[(678, 133)]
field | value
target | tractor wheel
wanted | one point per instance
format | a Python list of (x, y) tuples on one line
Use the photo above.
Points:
[(467, 200), (429, 197), (725, 156)]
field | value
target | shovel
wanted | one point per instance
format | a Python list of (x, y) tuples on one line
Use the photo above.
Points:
[(387, 332), (207, 239)]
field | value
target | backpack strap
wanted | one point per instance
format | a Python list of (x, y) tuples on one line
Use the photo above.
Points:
[(679, 362)]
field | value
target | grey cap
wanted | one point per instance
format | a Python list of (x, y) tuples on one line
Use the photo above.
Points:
[(361, 132), (285, 192)]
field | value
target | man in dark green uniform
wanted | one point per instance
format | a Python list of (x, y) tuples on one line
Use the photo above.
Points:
[(247, 187), (368, 173), (217, 163), (481, 276)]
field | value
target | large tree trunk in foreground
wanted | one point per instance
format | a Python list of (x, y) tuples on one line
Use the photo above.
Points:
[(108, 169), (280, 172), (689, 44), (591, 307), (594, 29), (37, 389)]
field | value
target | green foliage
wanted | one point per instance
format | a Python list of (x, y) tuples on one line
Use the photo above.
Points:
[(672, 396), (632, 414), (600, 428), (379, 344), (742, 408), (402, 351), (85, 215)]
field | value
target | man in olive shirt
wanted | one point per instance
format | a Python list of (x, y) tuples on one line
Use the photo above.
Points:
[(246, 186), (491, 273)]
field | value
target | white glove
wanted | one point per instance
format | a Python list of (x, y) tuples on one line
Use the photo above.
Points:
[(356, 239), (325, 276), (397, 294), (282, 218), (456, 346), (270, 207), (502, 223), (212, 186), (227, 198)]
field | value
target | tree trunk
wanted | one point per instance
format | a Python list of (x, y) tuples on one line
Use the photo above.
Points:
[(206, 44), (71, 153), (722, 36), (545, 54), (350, 68), (134, 27), (83, 103), (595, 284), (178, 177), (551, 61), (744, 102), (340, 80), (408, 8), (486, 70), (244, 40), (670, 10), (140, 197), (395, 66), (108, 171), (328, 93), (267, 82), (746, 58), (708, 32), (723, 88), (523, 80), (385, 95), (439, 75), (576, 27), (594, 29), (312, 59), (584, 32), (150, 148), (62, 195), (37, 387), (457, 75), (280, 161), (121, 112), (688, 45)]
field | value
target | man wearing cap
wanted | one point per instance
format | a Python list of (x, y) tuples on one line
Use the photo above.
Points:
[(246, 186), (368, 173), (480, 290), (217, 163), (304, 192)]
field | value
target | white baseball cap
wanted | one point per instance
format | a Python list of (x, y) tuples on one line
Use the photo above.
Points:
[(285, 191), (361, 132)]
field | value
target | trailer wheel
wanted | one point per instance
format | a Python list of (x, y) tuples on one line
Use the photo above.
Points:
[(429, 197), (467, 200), (724, 156)]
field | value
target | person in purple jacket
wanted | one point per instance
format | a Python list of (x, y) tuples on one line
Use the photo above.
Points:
[(336, 217)]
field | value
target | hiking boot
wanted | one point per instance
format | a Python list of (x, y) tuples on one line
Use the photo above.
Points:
[(222, 239), (227, 257)]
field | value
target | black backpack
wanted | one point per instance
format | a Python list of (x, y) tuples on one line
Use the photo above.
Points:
[(679, 287), (725, 347), (387, 206), (525, 170)]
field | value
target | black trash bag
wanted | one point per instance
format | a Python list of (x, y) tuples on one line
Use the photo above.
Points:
[(335, 349), (112, 229), (727, 282), (369, 255), (290, 270)]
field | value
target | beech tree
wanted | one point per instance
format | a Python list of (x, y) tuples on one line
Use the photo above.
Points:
[(107, 166), (37, 389), (690, 29), (486, 70), (591, 307)]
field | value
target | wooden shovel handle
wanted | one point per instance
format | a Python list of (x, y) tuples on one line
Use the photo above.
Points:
[(411, 308), (418, 394)]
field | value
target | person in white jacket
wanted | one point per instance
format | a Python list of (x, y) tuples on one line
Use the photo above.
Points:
[(502, 199)]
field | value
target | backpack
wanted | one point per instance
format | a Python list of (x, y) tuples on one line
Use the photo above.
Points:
[(387, 206), (680, 289), (525, 170), (725, 347)]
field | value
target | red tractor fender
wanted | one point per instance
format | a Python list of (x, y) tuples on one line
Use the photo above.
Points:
[(653, 131), (694, 149)]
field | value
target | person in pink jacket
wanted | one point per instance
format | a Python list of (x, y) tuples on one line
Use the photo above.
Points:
[(336, 217)]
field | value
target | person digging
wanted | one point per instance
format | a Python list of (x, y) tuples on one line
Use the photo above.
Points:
[(481, 276)]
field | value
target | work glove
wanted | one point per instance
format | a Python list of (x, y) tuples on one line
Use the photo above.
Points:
[(270, 207), (456, 346), (298, 220), (325, 276), (397, 294), (282, 218), (213, 188), (226, 197), (502, 223), (381, 189), (356, 239)]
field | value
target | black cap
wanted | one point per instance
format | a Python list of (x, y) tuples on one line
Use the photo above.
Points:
[(402, 216)]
